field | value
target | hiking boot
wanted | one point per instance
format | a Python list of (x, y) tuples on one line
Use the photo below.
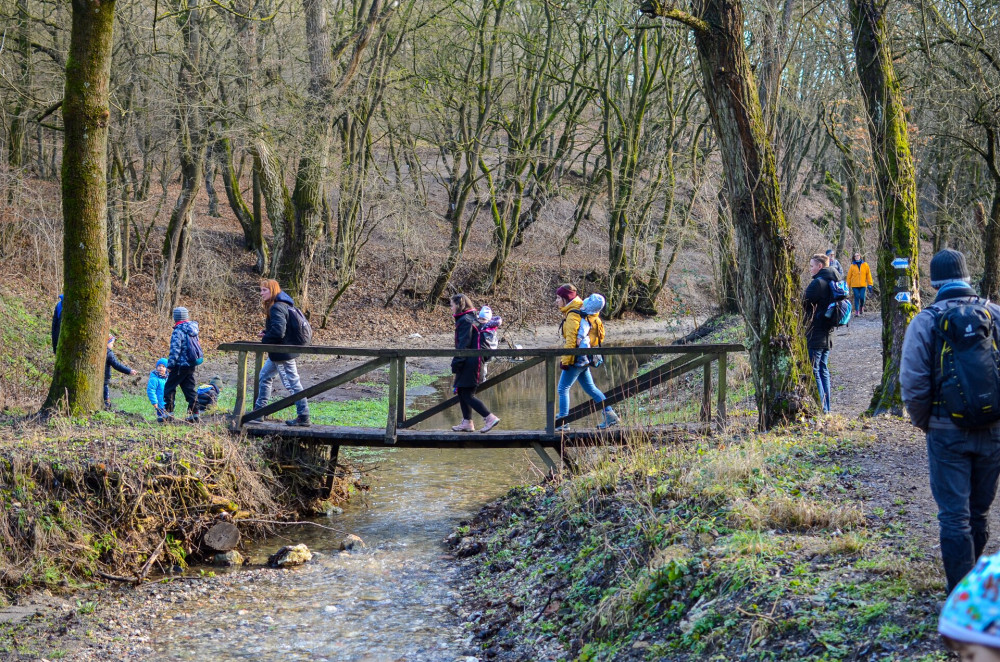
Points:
[(610, 420), (490, 422), (192, 419), (465, 426), (300, 421)]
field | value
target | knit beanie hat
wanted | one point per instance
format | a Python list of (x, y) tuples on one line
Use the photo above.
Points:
[(216, 382), (566, 293), (592, 304), (163, 362), (972, 612), (948, 266), (485, 314), (180, 314)]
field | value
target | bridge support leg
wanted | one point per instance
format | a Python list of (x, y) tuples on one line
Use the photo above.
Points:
[(396, 366), (241, 390), (720, 407), (331, 470), (706, 394)]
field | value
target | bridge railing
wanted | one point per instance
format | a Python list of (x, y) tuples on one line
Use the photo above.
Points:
[(683, 359)]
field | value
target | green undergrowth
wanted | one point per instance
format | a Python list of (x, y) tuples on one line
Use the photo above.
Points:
[(82, 498), (754, 547), (26, 360)]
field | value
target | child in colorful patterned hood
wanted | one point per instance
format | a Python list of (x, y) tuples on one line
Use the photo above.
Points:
[(970, 620)]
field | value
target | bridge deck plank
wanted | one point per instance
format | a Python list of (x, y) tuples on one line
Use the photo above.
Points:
[(375, 437)]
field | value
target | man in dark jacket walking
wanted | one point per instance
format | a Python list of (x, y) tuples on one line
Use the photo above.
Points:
[(964, 462), (180, 364), (819, 327)]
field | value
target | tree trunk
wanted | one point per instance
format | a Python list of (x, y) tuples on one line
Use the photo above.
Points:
[(211, 168), (191, 134), (249, 219), (729, 301), (768, 277), (990, 287), (896, 186), (842, 231), (78, 378)]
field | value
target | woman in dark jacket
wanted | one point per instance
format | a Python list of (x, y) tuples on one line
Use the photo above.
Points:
[(279, 365), (467, 369)]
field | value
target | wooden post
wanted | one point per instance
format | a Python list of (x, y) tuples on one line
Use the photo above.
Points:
[(550, 394), (390, 426), (544, 455), (401, 392), (241, 390), (720, 407), (706, 393), (258, 363)]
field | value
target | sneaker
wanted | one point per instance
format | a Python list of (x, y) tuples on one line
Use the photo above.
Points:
[(300, 421), (465, 426), (192, 419), (610, 420), (490, 422), (563, 428)]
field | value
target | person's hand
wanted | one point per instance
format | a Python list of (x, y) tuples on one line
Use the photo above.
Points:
[(260, 334), (134, 372)]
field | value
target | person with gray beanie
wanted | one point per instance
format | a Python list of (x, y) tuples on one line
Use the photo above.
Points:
[(949, 354), (182, 362)]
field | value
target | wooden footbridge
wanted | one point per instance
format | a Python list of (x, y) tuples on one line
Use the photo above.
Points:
[(398, 431)]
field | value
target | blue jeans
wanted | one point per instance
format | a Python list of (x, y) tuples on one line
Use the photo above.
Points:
[(859, 298), (289, 375), (821, 369), (964, 468), (566, 381)]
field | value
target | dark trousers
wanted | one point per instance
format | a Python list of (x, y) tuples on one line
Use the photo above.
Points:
[(107, 394), (964, 468), (183, 377), (468, 401)]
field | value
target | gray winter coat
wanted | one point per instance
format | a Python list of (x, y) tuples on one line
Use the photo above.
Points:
[(916, 376)]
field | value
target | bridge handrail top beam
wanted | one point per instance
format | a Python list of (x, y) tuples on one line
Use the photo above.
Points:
[(324, 350)]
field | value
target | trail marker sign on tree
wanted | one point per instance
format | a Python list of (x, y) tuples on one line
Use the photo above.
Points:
[(901, 263)]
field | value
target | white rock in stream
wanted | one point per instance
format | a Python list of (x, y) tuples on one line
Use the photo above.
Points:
[(290, 555)]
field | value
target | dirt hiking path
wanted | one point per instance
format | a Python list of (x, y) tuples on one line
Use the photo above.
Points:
[(894, 473)]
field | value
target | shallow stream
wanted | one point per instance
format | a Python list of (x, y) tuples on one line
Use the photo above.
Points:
[(396, 599)]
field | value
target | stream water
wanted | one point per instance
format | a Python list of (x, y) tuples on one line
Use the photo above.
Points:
[(396, 599)]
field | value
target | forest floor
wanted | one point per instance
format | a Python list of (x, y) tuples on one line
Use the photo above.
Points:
[(814, 542)]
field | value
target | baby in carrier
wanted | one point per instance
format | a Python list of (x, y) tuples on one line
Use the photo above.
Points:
[(592, 305), (489, 332)]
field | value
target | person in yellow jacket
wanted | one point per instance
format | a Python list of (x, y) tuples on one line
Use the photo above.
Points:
[(859, 279), (578, 367)]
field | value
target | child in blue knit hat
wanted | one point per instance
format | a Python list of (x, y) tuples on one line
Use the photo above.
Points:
[(970, 620), (154, 389)]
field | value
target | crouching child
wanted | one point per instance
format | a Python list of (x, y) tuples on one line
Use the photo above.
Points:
[(208, 394), (154, 389)]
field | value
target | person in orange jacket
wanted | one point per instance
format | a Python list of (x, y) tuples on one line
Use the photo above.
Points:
[(859, 279)]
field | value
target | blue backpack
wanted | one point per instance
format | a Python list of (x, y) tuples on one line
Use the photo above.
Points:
[(839, 309), (194, 354)]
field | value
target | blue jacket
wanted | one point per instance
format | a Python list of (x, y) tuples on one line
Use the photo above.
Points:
[(56, 323), (178, 357), (154, 387)]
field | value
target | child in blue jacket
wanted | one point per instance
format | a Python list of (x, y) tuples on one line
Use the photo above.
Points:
[(154, 389)]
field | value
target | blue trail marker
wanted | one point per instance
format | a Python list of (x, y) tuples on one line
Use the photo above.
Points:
[(901, 263)]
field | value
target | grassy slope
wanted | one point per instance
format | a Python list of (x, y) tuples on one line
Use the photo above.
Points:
[(749, 547)]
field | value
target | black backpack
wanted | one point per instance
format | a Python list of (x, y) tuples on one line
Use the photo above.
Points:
[(967, 365), (297, 329)]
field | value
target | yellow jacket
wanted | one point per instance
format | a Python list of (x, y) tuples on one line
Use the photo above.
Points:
[(859, 277), (570, 327)]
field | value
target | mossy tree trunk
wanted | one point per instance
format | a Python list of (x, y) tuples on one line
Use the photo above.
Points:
[(253, 230), (16, 156), (78, 376), (896, 188), (768, 277), (990, 286), (192, 145)]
